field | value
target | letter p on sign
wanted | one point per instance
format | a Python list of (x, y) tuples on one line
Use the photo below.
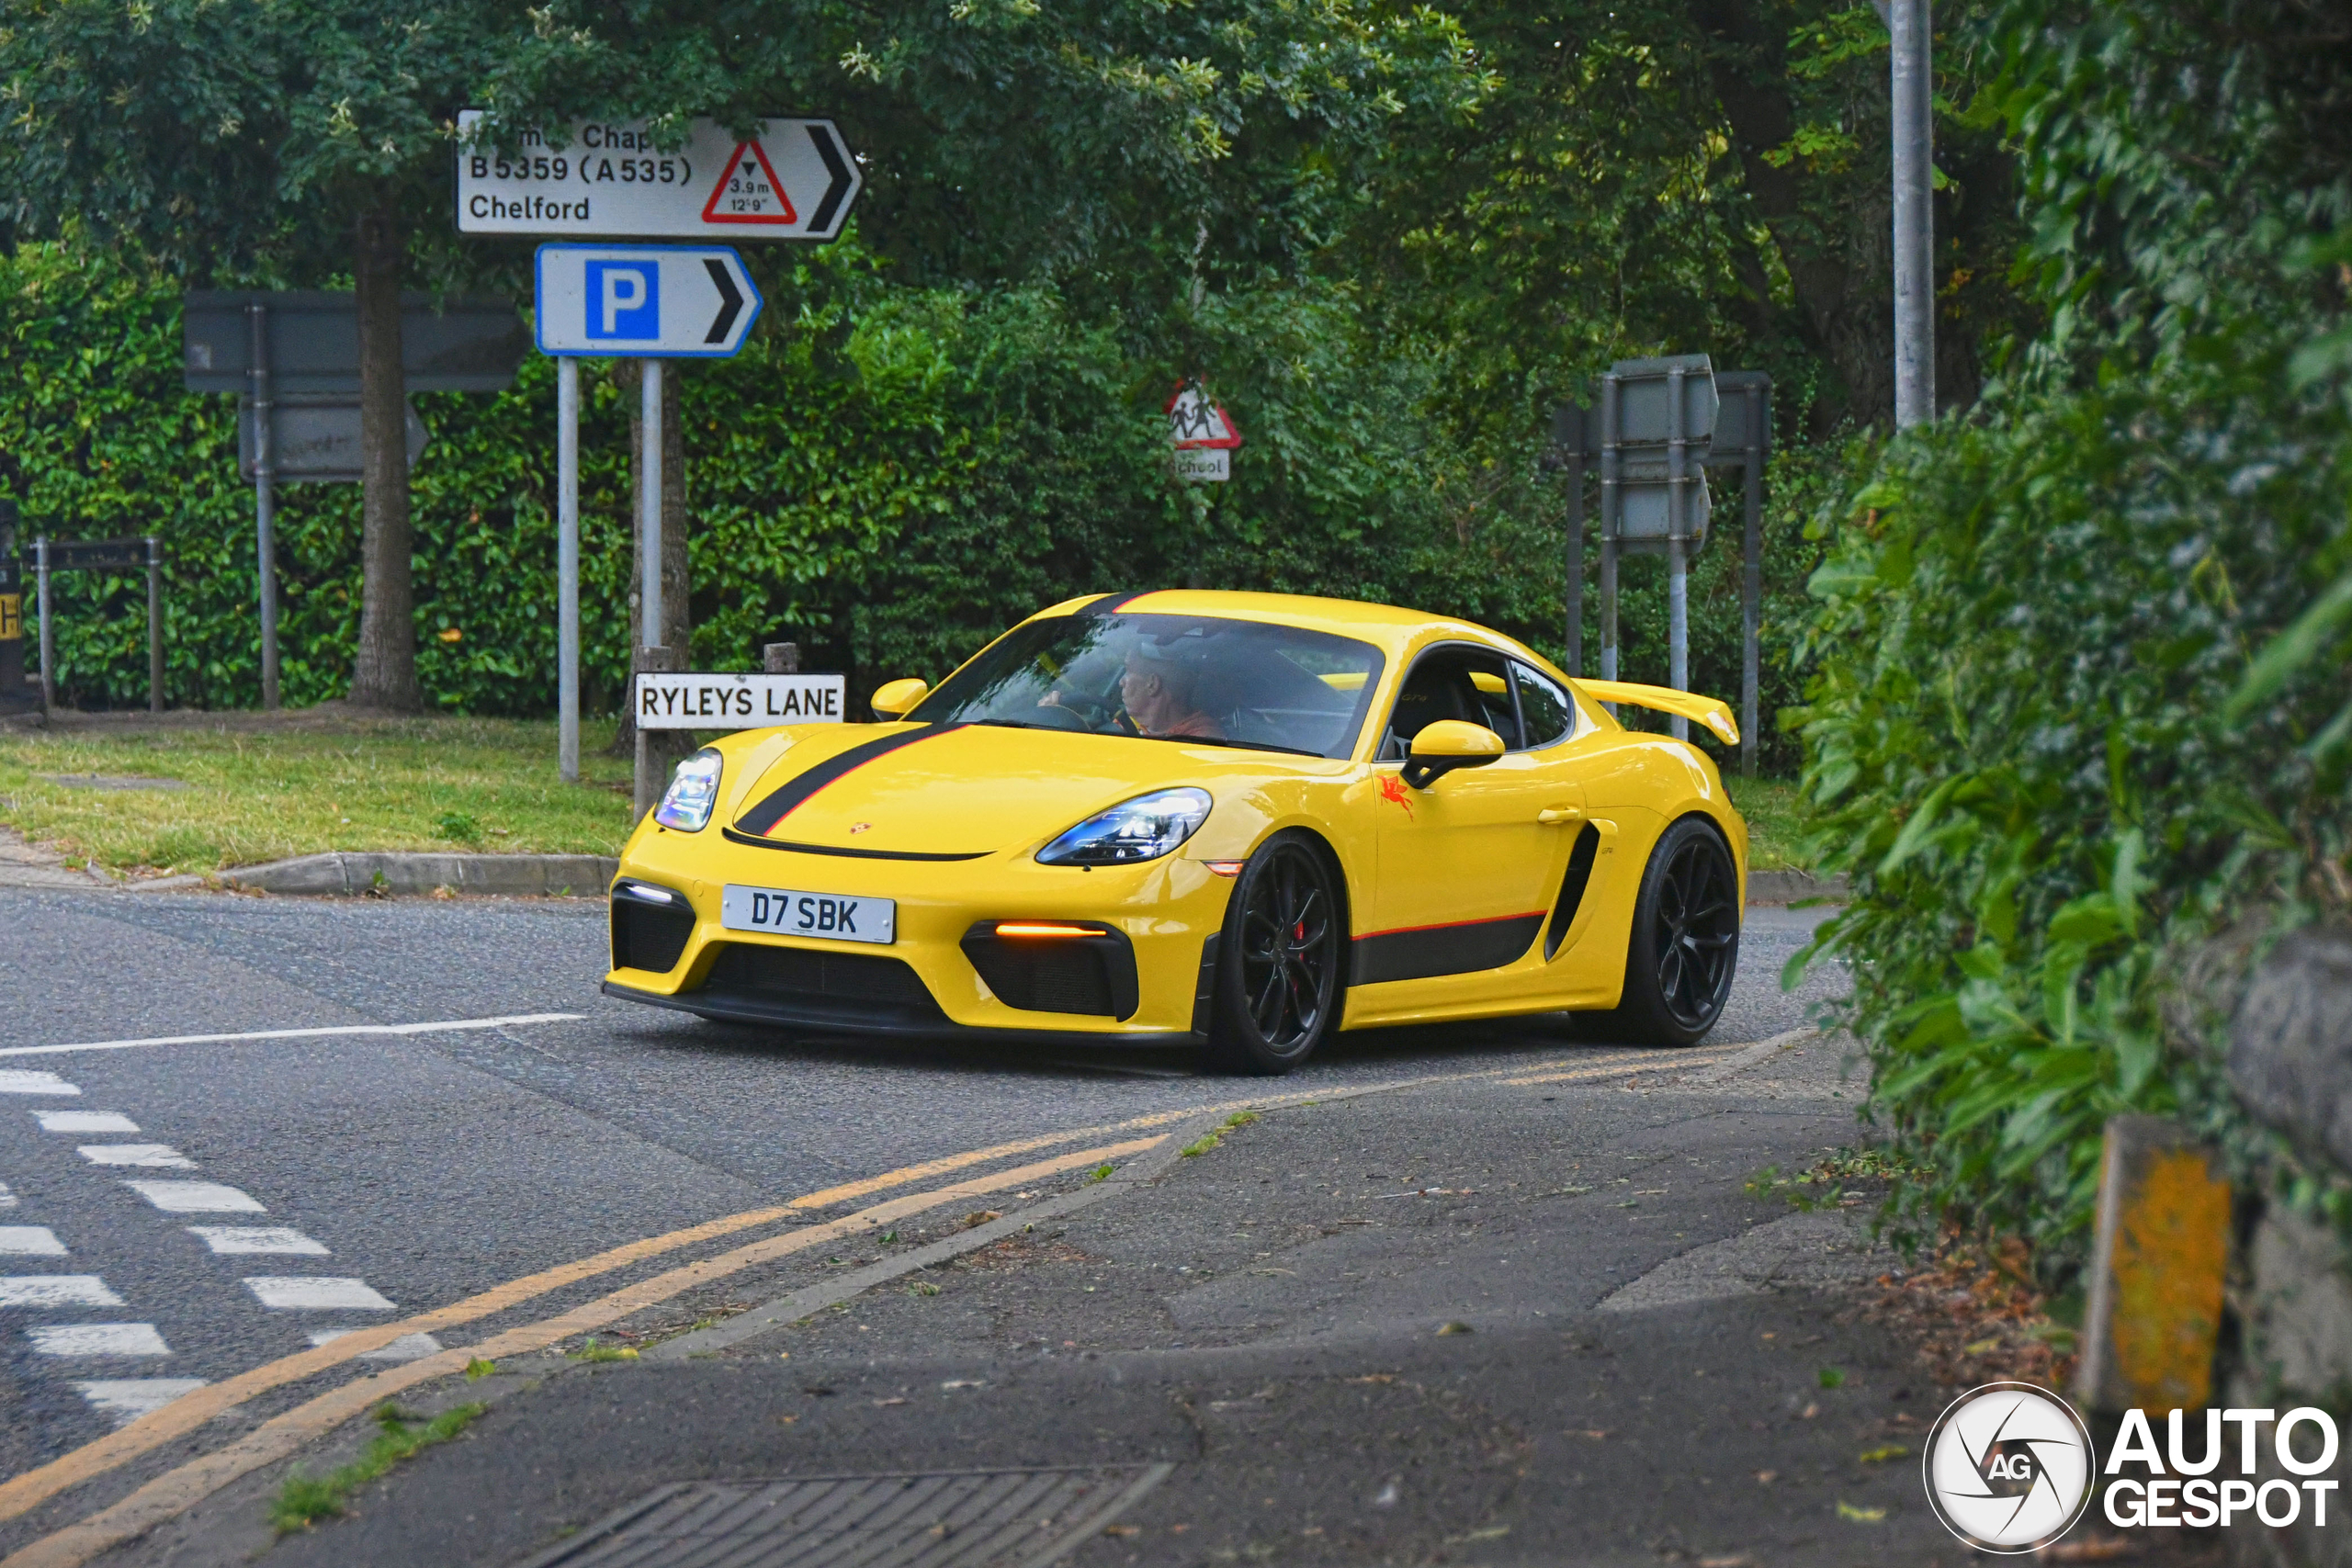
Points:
[(624, 300)]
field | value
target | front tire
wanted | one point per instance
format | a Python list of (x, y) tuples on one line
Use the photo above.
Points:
[(1277, 991), (1685, 944)]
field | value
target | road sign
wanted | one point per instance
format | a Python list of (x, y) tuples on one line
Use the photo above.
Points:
[(1195, 423), (696, 701), (792, 179), (644, 301), (452, 346), (315, 438), (1199, 467)]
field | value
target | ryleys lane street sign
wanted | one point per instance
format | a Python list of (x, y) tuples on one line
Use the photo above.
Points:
[(791, 179), (644, 301)]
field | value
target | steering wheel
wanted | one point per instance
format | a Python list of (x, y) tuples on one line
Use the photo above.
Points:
[(1053, 715)]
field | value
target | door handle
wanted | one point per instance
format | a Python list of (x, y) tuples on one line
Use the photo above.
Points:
[(1552, 816)]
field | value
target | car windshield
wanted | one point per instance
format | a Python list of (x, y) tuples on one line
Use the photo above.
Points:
[(1191, 678)]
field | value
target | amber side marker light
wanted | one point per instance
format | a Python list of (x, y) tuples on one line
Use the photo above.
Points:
[(1225, 867), (1042, 928)]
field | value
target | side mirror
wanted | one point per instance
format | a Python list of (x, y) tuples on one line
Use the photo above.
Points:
[(1449, 744), (895, 697)]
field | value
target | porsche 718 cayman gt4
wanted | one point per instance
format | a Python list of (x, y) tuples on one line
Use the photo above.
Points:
[(1236, 820)]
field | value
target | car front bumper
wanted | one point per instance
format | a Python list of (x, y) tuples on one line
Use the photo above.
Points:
[(1140, 977)]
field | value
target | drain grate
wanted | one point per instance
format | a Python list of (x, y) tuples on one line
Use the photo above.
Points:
[(982, 1518)]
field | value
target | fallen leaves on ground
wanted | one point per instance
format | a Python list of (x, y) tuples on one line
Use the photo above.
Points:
[(1976, 1317)]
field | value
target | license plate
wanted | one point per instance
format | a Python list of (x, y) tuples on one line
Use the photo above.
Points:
[(782, 913)]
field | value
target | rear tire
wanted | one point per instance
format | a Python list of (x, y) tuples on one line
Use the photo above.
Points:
[(1278, 989), (1685, 943)]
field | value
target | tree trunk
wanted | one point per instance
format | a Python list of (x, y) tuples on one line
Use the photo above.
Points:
[(384, 676), (677, 626)]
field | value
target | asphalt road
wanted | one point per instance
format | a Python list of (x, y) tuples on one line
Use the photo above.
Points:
[(388, 1175)]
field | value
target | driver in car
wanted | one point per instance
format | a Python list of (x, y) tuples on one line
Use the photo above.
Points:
[(1161, 696)]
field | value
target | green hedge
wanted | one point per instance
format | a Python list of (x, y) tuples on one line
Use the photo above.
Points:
[(2022, 746)]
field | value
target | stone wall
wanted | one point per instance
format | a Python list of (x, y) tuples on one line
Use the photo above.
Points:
[(2290, 1066)]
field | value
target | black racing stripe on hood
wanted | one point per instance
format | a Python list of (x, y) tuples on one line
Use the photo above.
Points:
[(1108, 604), (781, 803)]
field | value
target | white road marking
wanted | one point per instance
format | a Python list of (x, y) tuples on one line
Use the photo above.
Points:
[(305, 1292), (159, 1154), (35, 1083), (443, 1026), (125, 1400), (257, 1238), (56, 1291), (34, 1241), (196, 1198), (7, 1199), (84, 1121), (98, 1339), (407, 1348)]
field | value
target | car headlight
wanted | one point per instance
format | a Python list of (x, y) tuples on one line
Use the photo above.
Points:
[(1143, 829), (693, 791)]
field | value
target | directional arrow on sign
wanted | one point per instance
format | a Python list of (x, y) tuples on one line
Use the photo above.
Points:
[(644, 301)]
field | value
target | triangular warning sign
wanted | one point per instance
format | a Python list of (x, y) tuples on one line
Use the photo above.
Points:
[(748, 191), (1194, 422)]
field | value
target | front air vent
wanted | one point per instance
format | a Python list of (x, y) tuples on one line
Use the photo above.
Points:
[(1092, 974), (807, 973), (647, 935)]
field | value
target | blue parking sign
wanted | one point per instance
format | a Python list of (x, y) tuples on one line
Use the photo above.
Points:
[(642, 301), (623, 301)]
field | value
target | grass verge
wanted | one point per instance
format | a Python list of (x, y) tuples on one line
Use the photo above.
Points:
[(1776, 826), (304, 1500), (246, 796)]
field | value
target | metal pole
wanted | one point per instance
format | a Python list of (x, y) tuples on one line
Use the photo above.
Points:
[(1751, 587), (1915, 288), (264, 503), (1677, 564), (48, 625), (567, 568), (1610, 512), (1575, 549), (154, 625), (648, 544)]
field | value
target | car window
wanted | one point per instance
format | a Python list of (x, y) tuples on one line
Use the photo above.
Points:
[(1196, 677), (1467, 683), (1548, 713)]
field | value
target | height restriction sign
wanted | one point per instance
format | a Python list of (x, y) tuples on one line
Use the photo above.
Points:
[(792, 179)]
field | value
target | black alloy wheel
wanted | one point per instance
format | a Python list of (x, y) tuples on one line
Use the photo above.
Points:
[(1278, 960), (1685, 943)]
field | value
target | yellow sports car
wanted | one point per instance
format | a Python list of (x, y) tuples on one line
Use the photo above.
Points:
[(1240, 820)]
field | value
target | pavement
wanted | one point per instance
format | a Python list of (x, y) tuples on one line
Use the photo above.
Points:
[(1489, 1293)]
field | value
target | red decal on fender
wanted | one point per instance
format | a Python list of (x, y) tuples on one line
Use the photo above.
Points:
[(1393, 788)]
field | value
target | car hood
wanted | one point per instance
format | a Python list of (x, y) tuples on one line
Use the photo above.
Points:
[(963, 791)]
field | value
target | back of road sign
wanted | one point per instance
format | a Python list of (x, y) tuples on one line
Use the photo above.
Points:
[(644, 301), (793, 179), (454, 345)]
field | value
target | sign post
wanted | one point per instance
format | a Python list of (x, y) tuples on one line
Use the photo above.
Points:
[(651, 303), (265, 511), (567, 568), (790, 179), (1657, 428)]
